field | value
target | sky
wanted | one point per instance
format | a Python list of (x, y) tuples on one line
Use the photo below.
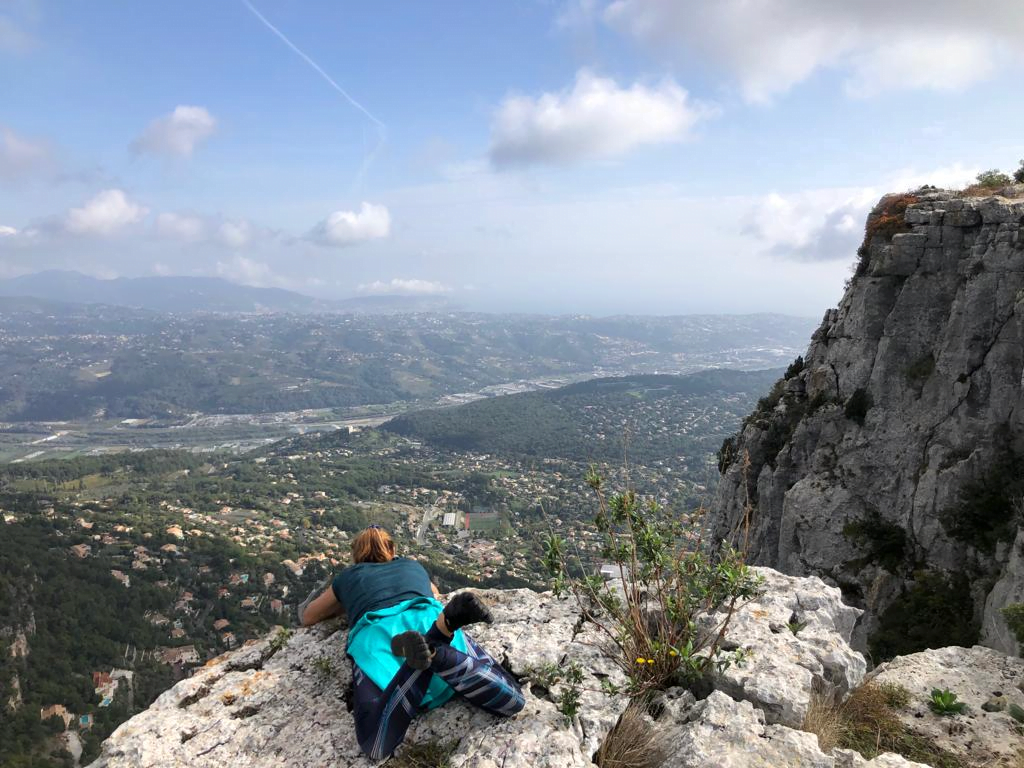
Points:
[(556, 156)]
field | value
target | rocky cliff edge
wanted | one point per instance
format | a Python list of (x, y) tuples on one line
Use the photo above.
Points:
[(284, 704)]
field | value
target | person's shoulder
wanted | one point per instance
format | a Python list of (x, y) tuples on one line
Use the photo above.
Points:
[(347, 573), (406, 563)]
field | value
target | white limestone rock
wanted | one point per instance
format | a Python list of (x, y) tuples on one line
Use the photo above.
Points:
[(255, 708), (1009, 590), (975, 675), (724, 733), (720, 732), (785, 666), (258, 707), (847, 758)]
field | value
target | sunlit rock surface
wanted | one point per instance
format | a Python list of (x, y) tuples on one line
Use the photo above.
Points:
[(258, 706)]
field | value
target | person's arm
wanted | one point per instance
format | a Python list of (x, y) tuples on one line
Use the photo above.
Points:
[(325, 602), (321, 608), (435, 590)]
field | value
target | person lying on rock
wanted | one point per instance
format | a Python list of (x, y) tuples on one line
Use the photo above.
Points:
[(408, 651)]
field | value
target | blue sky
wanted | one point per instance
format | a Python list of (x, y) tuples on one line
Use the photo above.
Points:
[(599, 156)]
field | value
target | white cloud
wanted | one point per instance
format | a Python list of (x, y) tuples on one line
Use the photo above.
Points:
[(948, 177), (250, 271), (104, 214), (828, 224), (963, 61), (235, 233), (178, 133), (407, 287), (20, 156), (343, 228), (211, 229), (178, 226), (6, 231), (595, 119), (771, 45), (819, 225), (240, 269)]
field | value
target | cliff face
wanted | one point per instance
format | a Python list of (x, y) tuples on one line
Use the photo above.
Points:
[(890, 463)]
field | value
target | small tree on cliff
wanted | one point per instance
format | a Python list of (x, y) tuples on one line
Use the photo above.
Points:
[(665, 617), (1018, 175), (993, 179)]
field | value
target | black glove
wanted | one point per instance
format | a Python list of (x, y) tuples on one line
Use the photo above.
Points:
[(414, 648), (465, 608)]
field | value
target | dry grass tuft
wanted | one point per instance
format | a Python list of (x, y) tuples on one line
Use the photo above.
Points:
[(424, 754), (895, 695), (868, 720), (824, 719), (632, 743), (1010, 191), (870, 725)]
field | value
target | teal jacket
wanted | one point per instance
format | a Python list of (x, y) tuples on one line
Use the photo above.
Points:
[(369, 643)]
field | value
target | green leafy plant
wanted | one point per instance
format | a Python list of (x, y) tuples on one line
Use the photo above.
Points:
[(945, 702), (1016, 711), (884, 543), (796, 626), (993, 179), (544, 675), (1018, 175), (935, 612), (1013, 614), (324, 666), (280, 640), (569, 678), (795, 368), (986, 511), (666, 617), (569, 696)]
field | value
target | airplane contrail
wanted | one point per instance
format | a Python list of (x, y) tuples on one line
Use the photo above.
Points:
[(314, 65)]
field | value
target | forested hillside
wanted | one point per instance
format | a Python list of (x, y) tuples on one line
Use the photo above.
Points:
[(642, 419)]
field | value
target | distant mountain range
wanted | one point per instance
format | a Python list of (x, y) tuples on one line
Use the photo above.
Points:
[(197, 294)]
